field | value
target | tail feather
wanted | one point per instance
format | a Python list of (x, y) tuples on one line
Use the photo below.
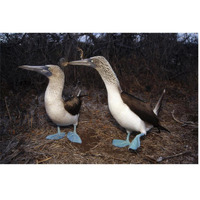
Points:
[(79, 93), (158, 104), (163, 128), (80, 96)]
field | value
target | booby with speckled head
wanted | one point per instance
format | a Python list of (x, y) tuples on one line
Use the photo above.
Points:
[(130, 112), (60, 112)]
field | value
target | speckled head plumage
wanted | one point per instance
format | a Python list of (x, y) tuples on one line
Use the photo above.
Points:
[(102, 66)]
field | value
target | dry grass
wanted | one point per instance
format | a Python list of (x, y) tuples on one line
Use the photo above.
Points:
[(25, 126)]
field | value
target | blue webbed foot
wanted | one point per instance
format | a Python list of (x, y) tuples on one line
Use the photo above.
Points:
[(74, 137), (135, 144), (56, 136), (120, 143)]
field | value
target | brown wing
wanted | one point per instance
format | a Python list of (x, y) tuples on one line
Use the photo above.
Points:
[(141, 109), (73, 105)]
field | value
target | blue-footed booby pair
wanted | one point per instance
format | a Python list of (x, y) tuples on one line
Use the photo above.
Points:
[(130, 112), (60, 112)]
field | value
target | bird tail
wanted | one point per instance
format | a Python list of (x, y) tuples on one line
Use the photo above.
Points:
[(158, 104), (80, 96), (163, 128), (79, 93)]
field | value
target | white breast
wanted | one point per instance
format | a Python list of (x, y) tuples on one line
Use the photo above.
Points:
[(122, 113), (59, 115), (55, 110)]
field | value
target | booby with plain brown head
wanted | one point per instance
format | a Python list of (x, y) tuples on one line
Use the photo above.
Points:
[(62, 113), (130, 112)]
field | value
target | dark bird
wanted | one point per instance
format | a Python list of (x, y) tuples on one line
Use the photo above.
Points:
[(60, 112), (130, 112)]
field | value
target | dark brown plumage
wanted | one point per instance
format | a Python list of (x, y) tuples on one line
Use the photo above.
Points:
[(142, 109), (73, 104)]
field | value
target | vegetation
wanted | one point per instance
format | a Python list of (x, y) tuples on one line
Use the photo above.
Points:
[(145, 64), (134, 57)]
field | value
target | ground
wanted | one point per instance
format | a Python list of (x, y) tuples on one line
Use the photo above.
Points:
[(24, 126)]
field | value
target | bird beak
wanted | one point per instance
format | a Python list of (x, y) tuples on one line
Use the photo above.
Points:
[(40, 69), (84, 62)]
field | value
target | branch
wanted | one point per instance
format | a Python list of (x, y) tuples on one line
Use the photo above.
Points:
[(184, 123), (160, 159), (179, 74), (8, 109)]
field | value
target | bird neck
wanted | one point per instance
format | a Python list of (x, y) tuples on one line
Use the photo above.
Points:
[(113, 91), (109, 78), (54, 90)]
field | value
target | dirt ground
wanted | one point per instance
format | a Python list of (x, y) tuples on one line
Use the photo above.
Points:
[(24, 126)]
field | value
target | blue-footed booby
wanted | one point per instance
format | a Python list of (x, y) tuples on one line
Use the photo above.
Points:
[(60, 112), (130, 112)]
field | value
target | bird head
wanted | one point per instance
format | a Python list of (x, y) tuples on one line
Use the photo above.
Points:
[(94, 62), (102, 66), (48, 70)]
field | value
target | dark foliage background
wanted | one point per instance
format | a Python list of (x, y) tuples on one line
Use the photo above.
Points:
[(139, 59)]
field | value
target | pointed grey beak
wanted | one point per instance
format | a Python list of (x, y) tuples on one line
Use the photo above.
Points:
[(84, 62), (40, 69)]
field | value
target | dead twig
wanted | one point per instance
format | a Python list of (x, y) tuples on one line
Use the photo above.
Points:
[(160, 159), (95, 147), (179, 74), (8, 109), (175, 118), (150, 159), (38, 162), (183, 123), (31, 121)]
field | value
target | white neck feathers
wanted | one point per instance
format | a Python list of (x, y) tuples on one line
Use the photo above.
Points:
[(54, 90)]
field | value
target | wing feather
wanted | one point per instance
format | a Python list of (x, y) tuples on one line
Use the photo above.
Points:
[(142, 109), (73, 105)]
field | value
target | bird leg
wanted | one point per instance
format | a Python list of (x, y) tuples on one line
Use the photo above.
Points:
[(73, 136), (135, 144), (122, 143), (57, 136)]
